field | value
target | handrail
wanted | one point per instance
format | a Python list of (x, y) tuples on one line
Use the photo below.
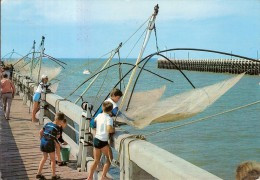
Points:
[(138, 158)]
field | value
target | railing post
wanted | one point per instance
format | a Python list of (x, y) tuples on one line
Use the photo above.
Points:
[(81, 136), (87, 145), (25, 91), (18, 85), (42, 104), (128, 169)]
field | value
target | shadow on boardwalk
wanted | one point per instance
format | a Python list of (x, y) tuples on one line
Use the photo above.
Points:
[(11, 163), (19, 147)]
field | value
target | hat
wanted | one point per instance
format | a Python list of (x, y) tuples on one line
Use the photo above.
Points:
[(44, 76)]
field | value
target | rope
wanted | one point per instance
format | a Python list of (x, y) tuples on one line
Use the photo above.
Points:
[(99, 93), (97, 70), (136, 31), (202, 119), (77, 68), (155, 33), (136, 137)]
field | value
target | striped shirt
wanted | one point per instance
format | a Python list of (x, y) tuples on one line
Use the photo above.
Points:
[(51, 130)]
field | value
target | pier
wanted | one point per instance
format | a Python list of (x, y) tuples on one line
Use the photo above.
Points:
[(233, 66), (19, 145)]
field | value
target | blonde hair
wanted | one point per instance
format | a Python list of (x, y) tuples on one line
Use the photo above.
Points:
[(248, 171)]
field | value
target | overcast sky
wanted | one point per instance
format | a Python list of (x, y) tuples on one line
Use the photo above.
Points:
[(88, 28)]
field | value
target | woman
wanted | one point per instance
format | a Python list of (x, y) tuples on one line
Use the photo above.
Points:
[(37, 96)]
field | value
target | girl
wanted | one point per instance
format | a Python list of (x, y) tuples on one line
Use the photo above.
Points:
[(37, 96)]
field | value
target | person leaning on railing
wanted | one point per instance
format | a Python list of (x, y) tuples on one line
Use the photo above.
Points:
[(37, 96), (249, 170), (7, 93)]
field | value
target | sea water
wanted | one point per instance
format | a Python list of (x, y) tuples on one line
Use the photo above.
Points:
[(217, 144)]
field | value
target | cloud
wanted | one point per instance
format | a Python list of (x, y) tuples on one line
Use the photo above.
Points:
[(90, 11)]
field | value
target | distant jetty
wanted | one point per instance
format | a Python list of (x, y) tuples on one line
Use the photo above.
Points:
[(234, 66)]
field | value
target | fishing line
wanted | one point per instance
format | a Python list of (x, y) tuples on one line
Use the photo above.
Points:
[(76, 69), (136, 30)]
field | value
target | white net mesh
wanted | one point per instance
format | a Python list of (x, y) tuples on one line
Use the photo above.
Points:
[(147, 108), (51, 72)]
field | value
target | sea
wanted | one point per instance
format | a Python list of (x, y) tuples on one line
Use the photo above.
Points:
[(217, 145)]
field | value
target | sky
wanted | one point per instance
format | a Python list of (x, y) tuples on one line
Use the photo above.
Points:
[(91, 28)]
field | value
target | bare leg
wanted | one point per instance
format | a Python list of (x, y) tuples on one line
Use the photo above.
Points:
[(42, 162), (108, 153), (34, 111), (97, 154), (8, 105), (4, 101), (53, 163), (57, 147)]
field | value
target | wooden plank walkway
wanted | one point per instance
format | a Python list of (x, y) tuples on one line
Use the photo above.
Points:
[(19, 147)]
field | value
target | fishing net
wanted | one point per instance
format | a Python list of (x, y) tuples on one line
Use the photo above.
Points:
[(54, 87), (147, 107), (51, 72)]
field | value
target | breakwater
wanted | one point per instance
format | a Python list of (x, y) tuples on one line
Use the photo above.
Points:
[(234, 66)]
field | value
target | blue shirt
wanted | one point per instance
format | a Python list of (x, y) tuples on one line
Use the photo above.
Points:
[(51, 130), (114, 112)]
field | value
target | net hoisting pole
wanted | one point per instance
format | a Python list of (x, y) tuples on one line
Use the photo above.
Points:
[(40, 60), (31, 68), (150, 28), (104, 66)]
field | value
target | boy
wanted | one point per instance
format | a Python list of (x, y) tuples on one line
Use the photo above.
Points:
[(104, 126), (49, 134), (115, 96)]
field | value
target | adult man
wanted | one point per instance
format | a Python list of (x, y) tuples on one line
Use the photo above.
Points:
[(7, 91)]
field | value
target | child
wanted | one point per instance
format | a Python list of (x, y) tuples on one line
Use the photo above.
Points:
[(37, 96), (249, 170), (104, 127), (115, 96), (49, 134), (60, 141)]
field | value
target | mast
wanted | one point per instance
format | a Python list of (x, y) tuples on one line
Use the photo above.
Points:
[(31, 68), (150, 28), (104, 66), (40, 60)]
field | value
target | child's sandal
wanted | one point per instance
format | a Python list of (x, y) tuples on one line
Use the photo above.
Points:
[(40, 176), (55, 177), (62, 163), (55, 162)]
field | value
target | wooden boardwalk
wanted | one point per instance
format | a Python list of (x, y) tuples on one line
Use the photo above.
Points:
[(19, 147)]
